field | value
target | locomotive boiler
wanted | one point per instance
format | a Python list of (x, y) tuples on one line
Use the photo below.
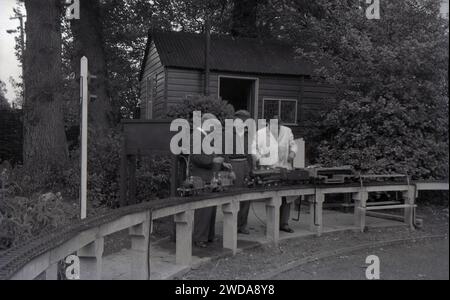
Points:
[(195, 185)]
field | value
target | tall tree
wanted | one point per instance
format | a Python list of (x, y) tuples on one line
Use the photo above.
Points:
[(126, 24), (88, 38), (125, 41), (3, 101), (44, 138)]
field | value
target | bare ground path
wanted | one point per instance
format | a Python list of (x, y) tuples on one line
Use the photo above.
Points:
[(269, 262), (424, 260)]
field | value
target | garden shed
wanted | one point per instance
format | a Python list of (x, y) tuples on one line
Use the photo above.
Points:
[(265, 77)]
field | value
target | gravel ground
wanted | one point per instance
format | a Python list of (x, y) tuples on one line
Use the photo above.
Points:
[(410, 261), (254, 263)]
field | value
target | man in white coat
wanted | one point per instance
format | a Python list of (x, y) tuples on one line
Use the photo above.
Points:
[(275, 148)]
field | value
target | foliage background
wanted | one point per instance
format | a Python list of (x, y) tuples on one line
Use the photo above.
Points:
[(391, 74), (391, 79), (205, 104)]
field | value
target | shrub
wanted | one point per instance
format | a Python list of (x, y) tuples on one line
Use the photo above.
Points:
[(152, 173), (153, 178), (24, 183), (22, 218), (30, 208), (206, 104), (386, 136), (103, 171)]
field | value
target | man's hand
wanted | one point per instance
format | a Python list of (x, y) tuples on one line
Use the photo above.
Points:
[(227, 166), (291, 156), (218, 160)]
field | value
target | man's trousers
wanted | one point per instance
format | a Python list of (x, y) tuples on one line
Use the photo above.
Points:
[(285, 212), (204, 224)]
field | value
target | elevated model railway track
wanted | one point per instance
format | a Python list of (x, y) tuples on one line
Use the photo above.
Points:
[(85, 237)]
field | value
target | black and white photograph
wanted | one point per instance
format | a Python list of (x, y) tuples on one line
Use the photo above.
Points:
[(224, 147)]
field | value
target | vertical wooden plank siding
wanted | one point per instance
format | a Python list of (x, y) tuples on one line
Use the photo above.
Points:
[(311, 96), (174, 84), (153, 69)]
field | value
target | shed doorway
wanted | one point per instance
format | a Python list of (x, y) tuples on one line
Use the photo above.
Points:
[(239, 92)]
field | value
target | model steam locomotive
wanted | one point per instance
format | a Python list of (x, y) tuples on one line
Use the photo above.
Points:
[(194, 185)]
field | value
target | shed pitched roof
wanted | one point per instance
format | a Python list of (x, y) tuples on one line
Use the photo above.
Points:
[(247, 55)]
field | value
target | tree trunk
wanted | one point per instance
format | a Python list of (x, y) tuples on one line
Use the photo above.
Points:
[(88, 39), (45, 143)]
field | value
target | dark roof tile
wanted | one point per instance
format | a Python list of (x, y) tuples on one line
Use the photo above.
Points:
[(246, 55)]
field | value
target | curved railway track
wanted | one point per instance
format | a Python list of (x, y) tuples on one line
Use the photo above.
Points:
[(17, 257)]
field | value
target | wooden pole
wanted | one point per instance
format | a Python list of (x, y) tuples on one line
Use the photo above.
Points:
[(84, 133), (207, 53)]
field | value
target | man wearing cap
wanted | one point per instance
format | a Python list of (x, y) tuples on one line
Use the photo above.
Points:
[(241, 162), (276, 148), (204, 166)]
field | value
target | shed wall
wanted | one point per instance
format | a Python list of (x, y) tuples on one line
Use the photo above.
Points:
[(311, 96), (153, 69)]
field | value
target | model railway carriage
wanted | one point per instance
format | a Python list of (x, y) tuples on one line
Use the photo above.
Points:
[(272, 177), (332, 175), (310, 175)]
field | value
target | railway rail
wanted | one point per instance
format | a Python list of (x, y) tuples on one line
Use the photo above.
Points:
[(85, 237)]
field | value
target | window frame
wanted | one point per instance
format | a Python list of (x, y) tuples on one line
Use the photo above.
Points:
[(279, 107)]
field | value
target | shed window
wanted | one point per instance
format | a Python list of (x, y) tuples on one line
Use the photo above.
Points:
[(285, 108)]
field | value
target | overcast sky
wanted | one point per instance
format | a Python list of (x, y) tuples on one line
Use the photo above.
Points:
[(9, 65)]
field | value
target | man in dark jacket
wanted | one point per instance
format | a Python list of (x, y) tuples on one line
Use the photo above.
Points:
[(204, 166), (241, 161)]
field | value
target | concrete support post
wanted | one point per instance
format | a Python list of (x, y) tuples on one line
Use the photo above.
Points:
[(360, 199), (184, 224), (311, 199), (52, 272), (230, 214), (316, 212), (273, 219), (91, 260), (140, 260), (409, 197)]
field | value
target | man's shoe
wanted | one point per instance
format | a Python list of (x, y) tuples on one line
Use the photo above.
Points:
[(243, 231), (201, 244), (287, 229)]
